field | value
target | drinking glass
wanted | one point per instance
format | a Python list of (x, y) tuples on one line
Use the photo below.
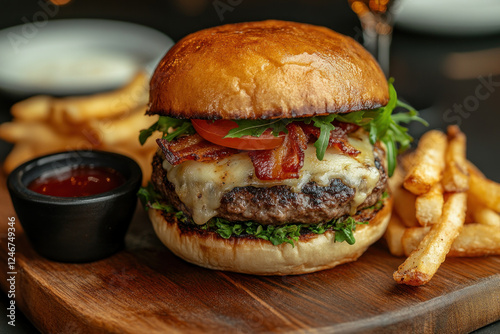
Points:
[(377, 19)]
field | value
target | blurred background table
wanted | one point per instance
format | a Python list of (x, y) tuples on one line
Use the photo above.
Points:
[(451, 79)]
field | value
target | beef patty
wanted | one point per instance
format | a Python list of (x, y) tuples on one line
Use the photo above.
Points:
[(279, 205)]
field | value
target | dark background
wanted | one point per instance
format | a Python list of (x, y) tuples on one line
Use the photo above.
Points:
[(420, 63)]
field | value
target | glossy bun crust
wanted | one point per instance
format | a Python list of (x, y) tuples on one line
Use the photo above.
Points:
[(269, 69), (313, 252)]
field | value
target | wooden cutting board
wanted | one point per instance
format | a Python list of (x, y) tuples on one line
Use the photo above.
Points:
[(146, 289)]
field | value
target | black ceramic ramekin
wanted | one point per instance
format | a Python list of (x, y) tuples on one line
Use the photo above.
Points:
[(75, 229)]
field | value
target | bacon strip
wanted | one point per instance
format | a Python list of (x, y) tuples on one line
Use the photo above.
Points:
[(192, 147), (338, 137), (283, 162)]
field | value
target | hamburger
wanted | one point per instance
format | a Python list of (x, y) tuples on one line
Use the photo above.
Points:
[(277, 142)]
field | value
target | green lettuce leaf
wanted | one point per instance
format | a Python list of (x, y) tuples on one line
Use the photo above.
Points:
[(255, 128), (163, 125), (324, 123)]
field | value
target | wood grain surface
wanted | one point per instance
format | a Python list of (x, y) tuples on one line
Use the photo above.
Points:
[(146, 289)]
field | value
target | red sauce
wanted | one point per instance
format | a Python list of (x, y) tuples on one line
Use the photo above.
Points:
[(77, 182)]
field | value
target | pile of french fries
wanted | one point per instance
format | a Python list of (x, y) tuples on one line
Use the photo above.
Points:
[(108, 121), (443, 206)]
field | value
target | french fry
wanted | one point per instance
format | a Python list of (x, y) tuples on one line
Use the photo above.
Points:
[(40, 137), (468, 215), (103, 105), (425, 260), (36, 108), (455, 174), (485, 191), (9, 131), (429, 206), (428, 163), (473, 240), (26, 150), (21, 153), (476, 240), (115, 130), (393, 235), (404, 205), (31, 131), (412, 237), (481, 214), (450, 191), (38, 134)]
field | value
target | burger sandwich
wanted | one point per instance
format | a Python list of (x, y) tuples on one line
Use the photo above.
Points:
[(277, 142)]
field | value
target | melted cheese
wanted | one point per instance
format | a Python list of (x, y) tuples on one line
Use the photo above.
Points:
[(201, 185)]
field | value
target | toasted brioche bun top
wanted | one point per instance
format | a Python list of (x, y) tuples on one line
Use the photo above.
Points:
[(269, 69)]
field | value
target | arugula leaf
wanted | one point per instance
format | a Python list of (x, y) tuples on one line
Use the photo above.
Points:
[(185, 127), (181, 216), (255, 128), (344, 230), (224, 230), (164, 123), (391, 153), (355, 117), (380, 124), (146, 133), (151, 199), (384, 126), (324, 123), (148, 195), (275, 234), (162, 206), (288, 233)]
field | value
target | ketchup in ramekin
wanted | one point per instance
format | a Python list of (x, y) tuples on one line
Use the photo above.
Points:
[(76, 206), (77, 182)]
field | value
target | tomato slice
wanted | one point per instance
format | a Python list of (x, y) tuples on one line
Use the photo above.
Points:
[(215, 131)]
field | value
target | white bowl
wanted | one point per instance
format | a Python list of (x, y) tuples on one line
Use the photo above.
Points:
[(449, 17), (76, 56)]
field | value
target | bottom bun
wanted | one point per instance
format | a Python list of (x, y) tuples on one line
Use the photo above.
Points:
[(249, 255)]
